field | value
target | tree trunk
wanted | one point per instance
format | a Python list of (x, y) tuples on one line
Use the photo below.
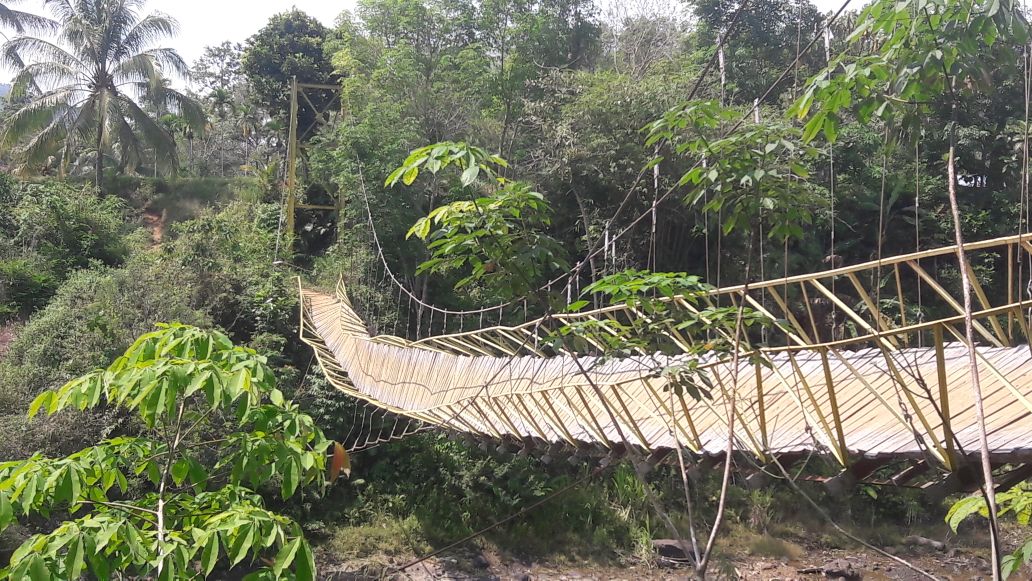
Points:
[(988, 487), (99, 163)]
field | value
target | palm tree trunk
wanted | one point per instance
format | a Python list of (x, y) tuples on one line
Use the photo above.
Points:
[(99, 167)]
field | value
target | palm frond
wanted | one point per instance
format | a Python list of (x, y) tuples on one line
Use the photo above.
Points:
[(42, 76), (186, 107), (35, 115), (140, 68), (153, 134), (142, 35), (19, 50), (170, 61), (24, 21)]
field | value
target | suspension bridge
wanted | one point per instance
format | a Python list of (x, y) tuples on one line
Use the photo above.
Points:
[(852, 372)]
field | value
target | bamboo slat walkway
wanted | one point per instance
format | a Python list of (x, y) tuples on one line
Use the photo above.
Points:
[(851, 371)]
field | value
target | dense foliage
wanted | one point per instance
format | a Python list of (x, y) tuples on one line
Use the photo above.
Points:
[(212, 427), (554, 126)]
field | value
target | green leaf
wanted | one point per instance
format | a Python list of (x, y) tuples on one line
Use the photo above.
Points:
[(42, 400), (6, 511), (469, 175), (285, 556), (210, 554), (38, 569), (276, 397), (410, 175), (962, 509), (74, 561), (241, 383), (291, 477), (99, 566), (241, 544), (180, 470), (305, 568), (576, 306)]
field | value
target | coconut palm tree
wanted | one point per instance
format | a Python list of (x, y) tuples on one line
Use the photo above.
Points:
[(82, 91)]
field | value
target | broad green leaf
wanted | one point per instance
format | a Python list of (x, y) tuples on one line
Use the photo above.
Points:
[(962, 509), (38, 570), (42, 400), (210, 554), (291, 477), (469, 176), (99, 566), (410, 175), (304, 570), (180, 470), (241, 544), (285, 556), (276, 397), (74, 560), (6, 511)]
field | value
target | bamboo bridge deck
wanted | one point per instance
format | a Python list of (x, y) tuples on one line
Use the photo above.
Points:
[(856, 369)]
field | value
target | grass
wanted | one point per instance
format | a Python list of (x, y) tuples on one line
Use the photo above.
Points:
[(768, 546), (386, 537)]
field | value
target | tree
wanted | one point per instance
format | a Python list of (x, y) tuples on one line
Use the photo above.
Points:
[(85, 87), (290, 45), (219, 67), (498, 238), (766, 39), (213, 427)]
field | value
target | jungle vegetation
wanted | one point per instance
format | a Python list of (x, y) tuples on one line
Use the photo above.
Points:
[(128, 202)]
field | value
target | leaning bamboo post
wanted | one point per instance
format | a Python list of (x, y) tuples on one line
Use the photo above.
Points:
[(944, 399), (291, 169)]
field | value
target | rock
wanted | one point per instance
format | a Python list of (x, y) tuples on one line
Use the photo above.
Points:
[(526, 577), (918, 541), (480, 562), (842, 569), (671, 549)]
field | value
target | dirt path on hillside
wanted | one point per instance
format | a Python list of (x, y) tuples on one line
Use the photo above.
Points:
[(155, 222), (6, 338)]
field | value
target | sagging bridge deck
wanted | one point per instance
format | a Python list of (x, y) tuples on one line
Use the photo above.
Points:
[(857, 370)]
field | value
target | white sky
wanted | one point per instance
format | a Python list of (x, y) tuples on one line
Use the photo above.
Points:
[(207, 22)]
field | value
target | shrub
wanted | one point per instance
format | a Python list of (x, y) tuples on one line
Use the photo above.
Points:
[(230, 252), (213, 428), (25, 285), (70, 227), (94, 316)]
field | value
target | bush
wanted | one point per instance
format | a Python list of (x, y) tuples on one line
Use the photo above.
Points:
[(94, 316), (70, 227), (49, 229), (230, 252), (25, 285)]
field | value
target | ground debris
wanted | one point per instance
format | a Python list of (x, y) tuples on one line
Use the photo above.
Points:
[(915, 540), (837, 569)]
